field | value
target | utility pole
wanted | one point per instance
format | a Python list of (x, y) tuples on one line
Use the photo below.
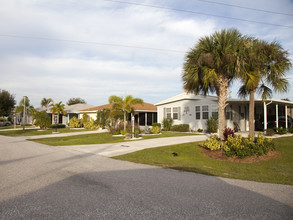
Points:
[(24, 114)]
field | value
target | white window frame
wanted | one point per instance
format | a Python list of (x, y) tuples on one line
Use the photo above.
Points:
[(205, 112)]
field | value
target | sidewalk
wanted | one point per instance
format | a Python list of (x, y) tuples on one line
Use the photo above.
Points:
[(116, 149)]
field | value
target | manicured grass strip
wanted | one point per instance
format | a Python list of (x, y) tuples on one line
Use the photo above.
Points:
[(191, 158), (102, 138), (32, 132)]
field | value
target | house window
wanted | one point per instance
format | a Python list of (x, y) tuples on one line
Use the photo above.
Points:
[(168, 112), (175, 113), (205, 112), (197, 112), (215, 111)]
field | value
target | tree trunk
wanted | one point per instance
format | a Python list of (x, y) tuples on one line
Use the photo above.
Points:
[(125, 121), (251, 113), (222, 100)]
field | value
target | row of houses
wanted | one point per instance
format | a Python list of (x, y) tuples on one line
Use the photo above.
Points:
[(195, 110)]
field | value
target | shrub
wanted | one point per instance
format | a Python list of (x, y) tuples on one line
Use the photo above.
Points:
[(90, 124), (146, 130), (180, 128), (75, 123), (43, 120), (167, 123), (270, 132), (213, 143), (57, 126), (199, 130), (243, 147), (103, 117), (212, 125), (227, 132), (156, 125), (290, 130), (155, 130), (281, 131)]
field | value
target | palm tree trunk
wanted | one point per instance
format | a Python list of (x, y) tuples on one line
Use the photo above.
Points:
[(222, 100), (125, 121), (251, 113)]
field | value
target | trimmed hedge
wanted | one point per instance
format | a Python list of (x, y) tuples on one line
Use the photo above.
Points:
[(180, 128), (57, 126)]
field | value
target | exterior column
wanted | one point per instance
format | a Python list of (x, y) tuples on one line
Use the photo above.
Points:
[(265, 115), (277, 116), (286, 118)]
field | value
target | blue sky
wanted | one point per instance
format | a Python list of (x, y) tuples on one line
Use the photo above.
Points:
[(64, 69)]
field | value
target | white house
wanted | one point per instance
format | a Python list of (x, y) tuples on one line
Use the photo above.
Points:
[(196, 109)]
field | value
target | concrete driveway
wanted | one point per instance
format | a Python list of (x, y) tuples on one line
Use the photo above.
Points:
[(42, 182)]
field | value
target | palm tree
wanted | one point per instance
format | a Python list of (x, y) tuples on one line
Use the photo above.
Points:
[(46, 102), (125, 105), (58, 108), (264, 65), (212, 65)]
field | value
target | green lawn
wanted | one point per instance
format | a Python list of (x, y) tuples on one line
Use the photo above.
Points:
[(191, 158), (32, 132), (101, 138)]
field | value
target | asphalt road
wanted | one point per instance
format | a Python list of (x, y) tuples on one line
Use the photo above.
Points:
[(42, 182)]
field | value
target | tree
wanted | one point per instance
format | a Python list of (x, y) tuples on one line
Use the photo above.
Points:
[(125, 105), (73, 101), (58, 108), (211, 66), (46, 102), (43, 120), (264, 67), (7, 103), (103, 117)]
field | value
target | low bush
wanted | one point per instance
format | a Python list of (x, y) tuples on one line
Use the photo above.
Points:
[(213, 143), (180, 128), (290, 130), (43, 120), (199, 130), (156, 125), (270, 132), (243, 147), (281, 131), (57, 126), (155, 130)]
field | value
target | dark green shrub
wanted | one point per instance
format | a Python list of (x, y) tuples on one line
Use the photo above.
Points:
[(281, 131), (57, 126), (167, 123), (212, 125), (290, 130), (199, 130), (270, 132), (180, 128)]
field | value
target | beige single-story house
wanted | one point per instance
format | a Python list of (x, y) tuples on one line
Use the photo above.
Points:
[(145, 115), (195, 110)]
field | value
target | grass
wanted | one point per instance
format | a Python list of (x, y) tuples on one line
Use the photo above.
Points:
[(32, 132), (101, 138), (191, 158)]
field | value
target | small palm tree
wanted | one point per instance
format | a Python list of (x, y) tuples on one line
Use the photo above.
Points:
[(264, 66), (46, 102), (211, 66), (58, 108), (125, 105)]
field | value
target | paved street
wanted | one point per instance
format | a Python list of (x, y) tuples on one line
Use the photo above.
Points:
[(42, 182)]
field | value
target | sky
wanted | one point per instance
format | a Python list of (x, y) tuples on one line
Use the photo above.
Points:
[(95, 49)]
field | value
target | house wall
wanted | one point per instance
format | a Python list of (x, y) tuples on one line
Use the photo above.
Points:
[(186, 110)]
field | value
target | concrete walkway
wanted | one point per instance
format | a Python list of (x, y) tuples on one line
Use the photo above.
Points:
[(115, 149)]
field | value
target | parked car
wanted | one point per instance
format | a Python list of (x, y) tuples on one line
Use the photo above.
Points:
[(272, 123)]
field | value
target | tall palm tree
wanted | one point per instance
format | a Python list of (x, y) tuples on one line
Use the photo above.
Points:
[(125, 105), (46, 102), (265, 65), (211, 66), (58, 108)]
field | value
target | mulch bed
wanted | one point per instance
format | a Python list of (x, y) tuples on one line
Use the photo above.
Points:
[(219, 155)]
